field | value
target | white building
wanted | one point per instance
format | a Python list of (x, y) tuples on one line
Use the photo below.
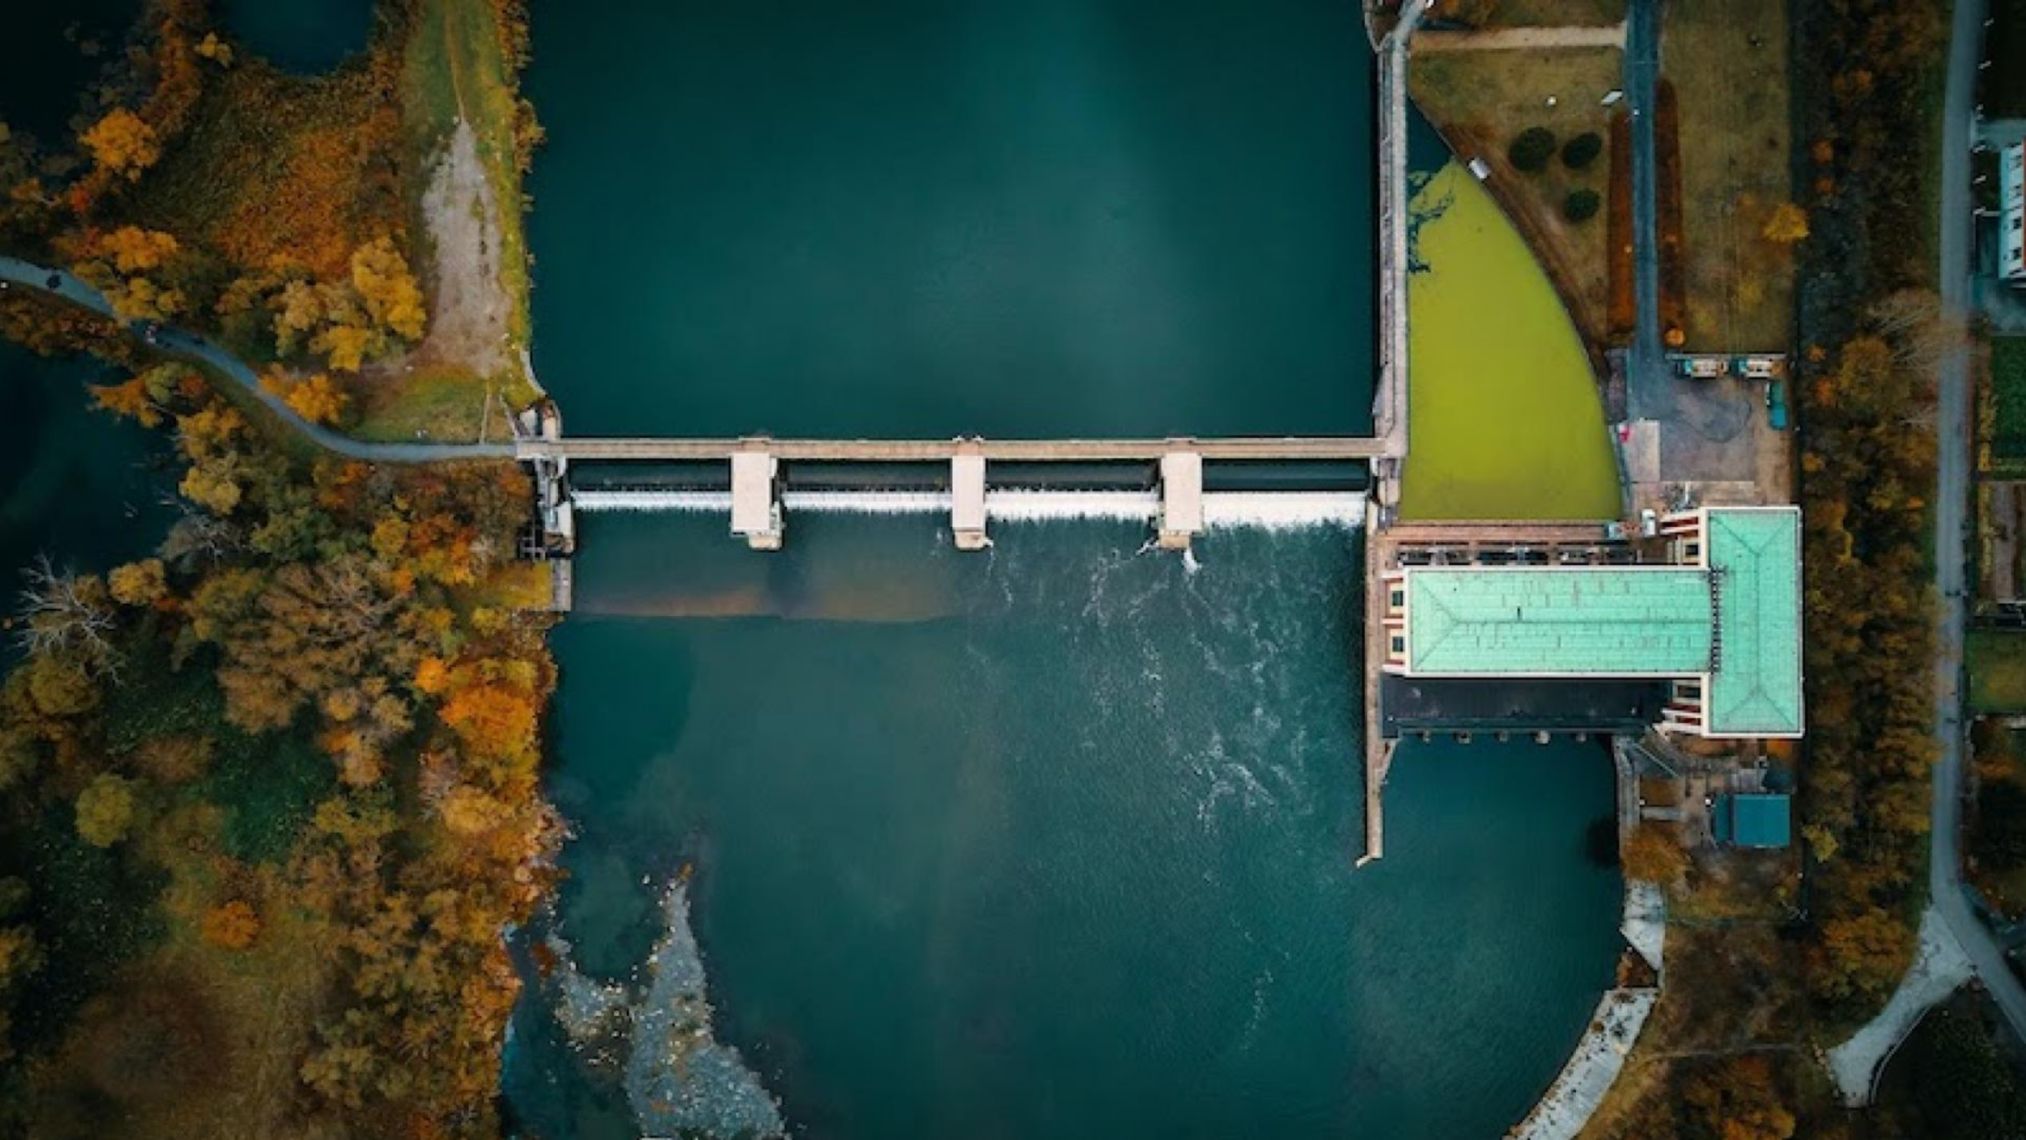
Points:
[(2012, 213)]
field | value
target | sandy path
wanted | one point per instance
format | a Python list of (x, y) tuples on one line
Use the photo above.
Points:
[(468, 307)]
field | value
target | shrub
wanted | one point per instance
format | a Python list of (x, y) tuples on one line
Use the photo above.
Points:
[(1582, 150), (1532, 149), (1580, 205)]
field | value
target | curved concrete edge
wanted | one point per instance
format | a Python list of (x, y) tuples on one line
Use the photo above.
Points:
[(188, 346), (1593, 1069), (1939, 967), (1565, 1109)]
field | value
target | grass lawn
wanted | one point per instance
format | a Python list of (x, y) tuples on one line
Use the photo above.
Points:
[(1551, 13), (1483, 99), (441, 405), (2008, 393), (1505, 418), (1997, 661), (1728, 62)]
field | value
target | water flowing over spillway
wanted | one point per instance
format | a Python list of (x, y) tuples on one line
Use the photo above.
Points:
[(1054, 839), (1220, 508)]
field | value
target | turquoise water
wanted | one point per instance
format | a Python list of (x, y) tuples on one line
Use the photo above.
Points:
[(1054, 841), (306, 37), (48, 56), (77, 485), (882, 218)]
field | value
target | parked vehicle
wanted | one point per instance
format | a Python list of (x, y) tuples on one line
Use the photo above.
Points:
[(1776, 405)]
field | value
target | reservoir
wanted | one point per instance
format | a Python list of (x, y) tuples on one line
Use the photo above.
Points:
[(874, 839), (908, 218)]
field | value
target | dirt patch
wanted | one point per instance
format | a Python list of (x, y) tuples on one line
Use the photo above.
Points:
[(1481, 100), (468, 303)]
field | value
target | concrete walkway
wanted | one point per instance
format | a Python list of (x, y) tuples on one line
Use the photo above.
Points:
[(1645, 365), (1939, 966), (1521, 39), (15, 273)]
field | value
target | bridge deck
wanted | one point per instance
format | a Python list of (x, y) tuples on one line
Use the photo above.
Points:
[(935, 450)]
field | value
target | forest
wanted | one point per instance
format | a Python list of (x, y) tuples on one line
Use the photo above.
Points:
[(270, 795)]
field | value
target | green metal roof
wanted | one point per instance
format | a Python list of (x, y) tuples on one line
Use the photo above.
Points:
[(1573, 621), (1755, 556), (1753, 820)]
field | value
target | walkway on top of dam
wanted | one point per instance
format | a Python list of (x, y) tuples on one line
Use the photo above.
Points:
[(933, 450)]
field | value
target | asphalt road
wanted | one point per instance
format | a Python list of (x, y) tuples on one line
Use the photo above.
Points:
[(189, 346), (1642, 72), (1952, 533)]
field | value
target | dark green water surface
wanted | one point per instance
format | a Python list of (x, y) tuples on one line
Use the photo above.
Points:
[(306, 37), (911, 218), (1054, 841), (49, 53), (79, 486)]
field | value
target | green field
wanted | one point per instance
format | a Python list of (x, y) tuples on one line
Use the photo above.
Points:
[(1997, 661), (1504, 416), (2008, 393)]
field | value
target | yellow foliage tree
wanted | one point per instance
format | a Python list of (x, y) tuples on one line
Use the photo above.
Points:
[(212, 487), (140, 583), (392, 298), (105, 810), (345, 346), (1787, 224), (128, 399), (122, 143), (132, 249), (215, 49), (317, 400)]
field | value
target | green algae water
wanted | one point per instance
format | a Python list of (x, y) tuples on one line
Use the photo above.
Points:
[(1050, 841), (1505, 418), (910, 219)]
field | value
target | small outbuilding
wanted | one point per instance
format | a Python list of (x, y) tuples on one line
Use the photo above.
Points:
[(1757, 819)]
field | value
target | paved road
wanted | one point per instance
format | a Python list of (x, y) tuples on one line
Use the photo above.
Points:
[(1642, 72), (189, 346), (1952, 528)]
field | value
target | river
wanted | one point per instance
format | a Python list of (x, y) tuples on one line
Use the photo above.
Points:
[(883, 218), (1054, 840)]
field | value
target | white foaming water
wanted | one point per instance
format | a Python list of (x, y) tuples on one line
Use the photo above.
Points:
[(1024, 506), (1273, 510), (1282, 510)]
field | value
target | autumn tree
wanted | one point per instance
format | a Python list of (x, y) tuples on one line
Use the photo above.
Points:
[(105, 810), (140, 583), (231, 926), (122, 144)]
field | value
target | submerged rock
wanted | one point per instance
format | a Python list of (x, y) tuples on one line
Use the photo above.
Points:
[(679, 1078)]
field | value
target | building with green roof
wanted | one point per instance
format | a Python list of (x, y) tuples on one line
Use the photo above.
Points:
[(1722, 622)]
